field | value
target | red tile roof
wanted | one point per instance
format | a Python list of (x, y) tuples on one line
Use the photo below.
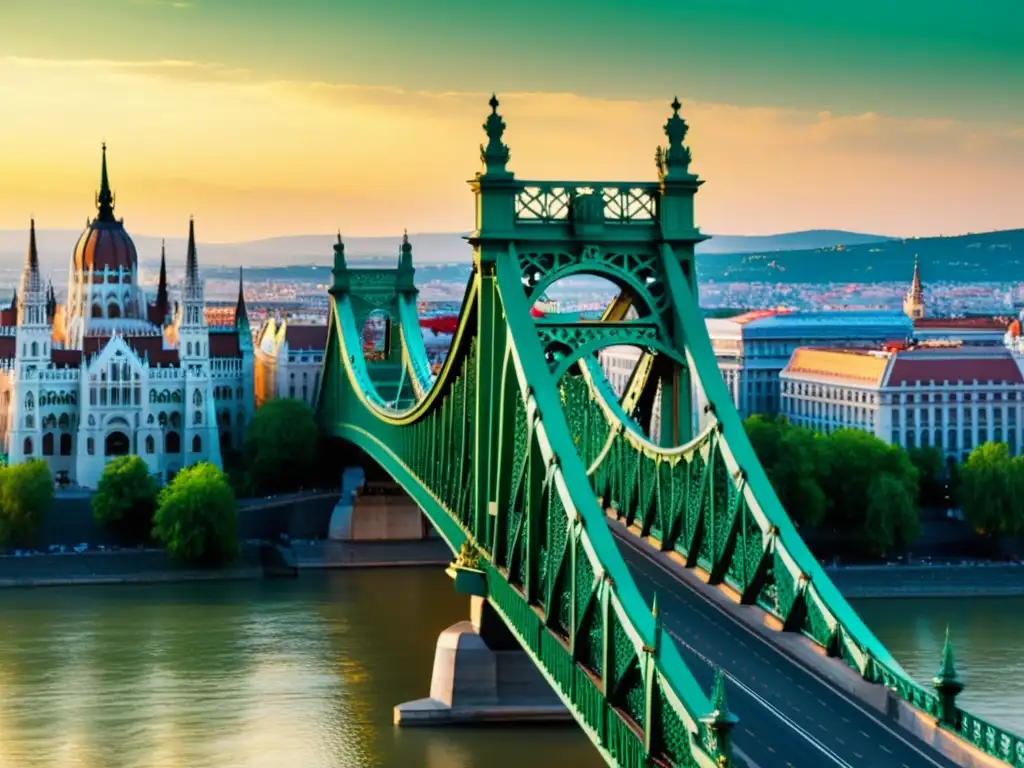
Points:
[(313, 337), (8, 347), (910, 368), (224, 344), (9, 316), (155, 315)]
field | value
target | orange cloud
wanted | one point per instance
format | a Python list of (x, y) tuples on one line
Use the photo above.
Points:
[(256, 158)]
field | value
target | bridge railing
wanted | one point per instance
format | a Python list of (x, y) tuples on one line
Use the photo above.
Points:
[(711, 501), (544, 202)]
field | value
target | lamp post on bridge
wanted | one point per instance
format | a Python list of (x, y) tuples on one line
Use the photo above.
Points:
[(720, 722), (948, 684)]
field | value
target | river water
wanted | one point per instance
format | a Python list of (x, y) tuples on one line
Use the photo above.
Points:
[(305, 673)]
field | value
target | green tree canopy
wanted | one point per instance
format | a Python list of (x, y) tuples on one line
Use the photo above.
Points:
[(790, 457), (931, 476), (280, 447), (196, 517), (852, 470), (26, 492), (125, 499), (992, 490)]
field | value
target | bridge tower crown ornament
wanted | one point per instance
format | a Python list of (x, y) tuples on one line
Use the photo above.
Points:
[(948, 685), (495, 155), (674, 161)]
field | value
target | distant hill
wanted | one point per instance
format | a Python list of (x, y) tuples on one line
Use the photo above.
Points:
[(55, 246), (990, 256), (789, 241)]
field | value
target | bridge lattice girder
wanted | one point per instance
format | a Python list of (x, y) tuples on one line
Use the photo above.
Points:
[(519, 446)]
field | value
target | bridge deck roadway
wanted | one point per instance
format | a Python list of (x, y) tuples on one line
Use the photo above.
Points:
[(789, 716)]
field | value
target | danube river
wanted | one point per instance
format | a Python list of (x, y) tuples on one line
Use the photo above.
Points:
[(306, 672)]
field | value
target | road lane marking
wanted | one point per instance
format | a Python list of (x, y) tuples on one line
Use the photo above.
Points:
[(638, 548), (810, 739)]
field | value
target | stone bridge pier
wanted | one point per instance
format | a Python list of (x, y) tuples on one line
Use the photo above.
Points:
[(375, 511), (481, 675)]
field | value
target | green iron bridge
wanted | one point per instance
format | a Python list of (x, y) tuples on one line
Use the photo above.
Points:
[(519, 452)]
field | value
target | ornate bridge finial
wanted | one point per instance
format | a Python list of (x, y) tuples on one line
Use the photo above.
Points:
[(495, 155), (675, 159)]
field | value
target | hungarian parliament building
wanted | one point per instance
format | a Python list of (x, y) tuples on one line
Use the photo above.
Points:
[(113, 372)]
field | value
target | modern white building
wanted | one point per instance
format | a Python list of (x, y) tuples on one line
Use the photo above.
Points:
[(951, 397), (752, 349), (109, 373)]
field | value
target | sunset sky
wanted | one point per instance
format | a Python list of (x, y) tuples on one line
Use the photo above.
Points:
[(265, 117)]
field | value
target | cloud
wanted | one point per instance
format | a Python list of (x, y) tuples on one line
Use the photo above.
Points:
[(266, 156), (179, 4)]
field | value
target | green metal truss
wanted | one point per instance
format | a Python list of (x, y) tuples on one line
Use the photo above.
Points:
[(520, 447)]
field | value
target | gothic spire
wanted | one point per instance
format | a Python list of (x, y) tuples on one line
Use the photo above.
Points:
[(192, 260), (241, 314), (915, 285), (162, 302), (32, 257), (105, 198)]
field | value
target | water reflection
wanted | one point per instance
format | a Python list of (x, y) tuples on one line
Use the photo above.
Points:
[(986, 635), (240, 675)]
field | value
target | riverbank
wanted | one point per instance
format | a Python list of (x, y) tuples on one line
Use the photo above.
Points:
[(153, 565), (919, 581)]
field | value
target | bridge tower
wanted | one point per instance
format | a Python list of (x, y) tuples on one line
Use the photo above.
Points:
[(380, 292)]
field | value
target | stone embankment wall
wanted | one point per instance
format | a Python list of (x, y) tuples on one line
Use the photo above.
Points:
[(129, 566), (973, 580), (69, 520)]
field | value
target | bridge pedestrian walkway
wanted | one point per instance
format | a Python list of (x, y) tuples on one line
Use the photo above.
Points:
[(789, 715)]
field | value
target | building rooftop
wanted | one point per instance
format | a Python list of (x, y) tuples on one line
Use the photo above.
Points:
[(924, 365), (857, 367)]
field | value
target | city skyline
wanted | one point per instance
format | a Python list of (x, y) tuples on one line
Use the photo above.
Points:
[(264, 123)]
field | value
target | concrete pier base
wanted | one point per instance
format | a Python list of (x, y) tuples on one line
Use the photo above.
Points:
[(481, 675), (375, 512)]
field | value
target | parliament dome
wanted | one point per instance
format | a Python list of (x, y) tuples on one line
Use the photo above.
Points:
[(104, 244)]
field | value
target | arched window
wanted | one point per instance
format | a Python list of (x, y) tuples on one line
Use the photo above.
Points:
[(113, 310), (189, 348), (197, 398), (64, 422), (150, 444), (30, 402), (197, 417), (197, 444), (65, 444), (163, 418), (175, 419), (48, 444), (97, 310), (172, 443), (35, 349), (30, 421), (28, 446)]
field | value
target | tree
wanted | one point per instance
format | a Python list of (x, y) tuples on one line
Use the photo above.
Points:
[(932, 476), (992, 490), (26, 492), (891, 514), (852, 471), (196, 517), (790, 458), (280, 447), (125, 498)]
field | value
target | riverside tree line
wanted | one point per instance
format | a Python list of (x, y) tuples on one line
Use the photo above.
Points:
[(871, 493), (194, 515)]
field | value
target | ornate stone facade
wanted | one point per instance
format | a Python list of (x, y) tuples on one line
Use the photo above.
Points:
[(109, 374)]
